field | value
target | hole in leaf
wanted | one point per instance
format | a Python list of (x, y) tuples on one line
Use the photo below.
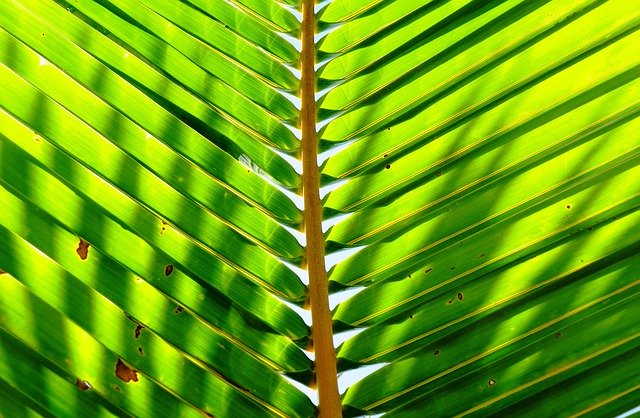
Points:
[(168, 270), (125, 373), (83, 384), (83, 249), (492, 382)]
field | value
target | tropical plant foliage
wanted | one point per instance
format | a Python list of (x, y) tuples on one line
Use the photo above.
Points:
[(484, 155)]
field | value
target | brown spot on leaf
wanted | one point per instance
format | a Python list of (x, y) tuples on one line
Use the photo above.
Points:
[(410, 316), (568, 206), (83, 384), (386, 155), (439, 173), (178, 309), (138, 330), (140, 351), (427, 271), (116, 388), (3, 272), (209, 415), (558, 335), (437, 352), (168, 270), (388, 166), (459, 296), (450, 301), (125, 373), (83, 249)]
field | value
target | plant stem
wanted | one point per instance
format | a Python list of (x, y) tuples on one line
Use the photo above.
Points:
[(322, 333)]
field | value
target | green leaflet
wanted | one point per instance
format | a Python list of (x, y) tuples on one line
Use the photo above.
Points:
[(432, 305), (161, 370), (181, 332), (145, 239), (245, 53), (157, 120), (272, 13), (243, 78), (249, 27), (214, 317), (489, 88), (249, 116), (344, 10), (355, 32), (477, 163), (596, 329)]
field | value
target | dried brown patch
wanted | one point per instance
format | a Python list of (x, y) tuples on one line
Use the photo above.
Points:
[(168, 270), (83, 384), (125, 373), (138, 330), (83, 249)]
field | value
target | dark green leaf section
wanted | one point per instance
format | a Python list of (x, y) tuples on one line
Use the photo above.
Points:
[(489, 154)]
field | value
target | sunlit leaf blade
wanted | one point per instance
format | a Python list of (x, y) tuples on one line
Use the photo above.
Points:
[(412, 318), (560, 72), (249, 27), (247, 115), (37, 387), (100, 79), (527, 141), (272, 12), (344, 10), (503, 234), (483, 371), (226, 68), (489, 153), (219, 37), (144, 238), (196, 311), (355, 32), (164, 374)]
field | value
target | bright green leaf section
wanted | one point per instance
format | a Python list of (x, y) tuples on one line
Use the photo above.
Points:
[(249, 27), (98, 78), (427, 307), (483, 229), (51, 390), (215, 34), (352, 33), (157, 120), (174, 170), (525, 351), (90, 347), (221, 324), (243, 79), (516, 154), (272, 13), (248, 116), (462, 31), (342, 10), (109, 298), (146, 244), (560, 73)]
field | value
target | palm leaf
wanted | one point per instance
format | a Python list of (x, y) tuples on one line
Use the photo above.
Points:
[(483, 165)]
